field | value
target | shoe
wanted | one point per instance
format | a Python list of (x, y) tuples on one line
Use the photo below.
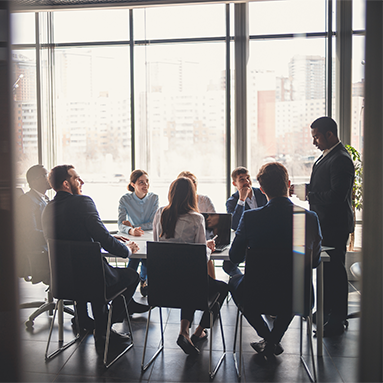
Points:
[(137, 308), (186, 346), (195, 339), (266, 347), (259, 347), (331, 329), (144, 289), (114, 336), (278, 349)]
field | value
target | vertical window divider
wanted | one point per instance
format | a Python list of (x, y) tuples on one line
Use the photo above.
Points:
[(228, 104), (38, 89), (132, 111), (329, 71)]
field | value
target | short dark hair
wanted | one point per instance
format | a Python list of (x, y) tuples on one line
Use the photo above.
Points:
[(274, 179), (325, 124), (58, 175), (134, 176), (34, 172), (237, 171)]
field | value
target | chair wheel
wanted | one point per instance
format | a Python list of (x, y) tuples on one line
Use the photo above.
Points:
[(29, 324)]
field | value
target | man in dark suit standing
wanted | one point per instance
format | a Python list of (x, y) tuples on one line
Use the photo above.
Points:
[(73, 216), (266, 235), (329, 195), (246, 197), (33, 247)]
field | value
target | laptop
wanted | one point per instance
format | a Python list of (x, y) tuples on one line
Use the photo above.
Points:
[(218, 224)]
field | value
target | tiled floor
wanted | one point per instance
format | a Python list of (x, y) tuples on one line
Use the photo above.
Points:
[(81, 363)]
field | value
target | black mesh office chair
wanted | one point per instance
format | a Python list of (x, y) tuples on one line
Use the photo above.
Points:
[(177, 278), (77, 273), (277, 294)]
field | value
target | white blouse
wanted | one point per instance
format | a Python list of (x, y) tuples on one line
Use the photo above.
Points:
[(190, 228), (205, 205)]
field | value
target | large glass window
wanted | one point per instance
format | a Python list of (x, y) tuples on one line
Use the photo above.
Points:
[(292, 16), (95, 25), (187, 21), (92, 120), (286, 92), (180, 98), (24, 94)]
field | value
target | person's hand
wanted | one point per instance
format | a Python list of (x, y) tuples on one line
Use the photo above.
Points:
[(133, 246), (127, 223), (244, 192), (211, 245), (120, 238), (136, 231)]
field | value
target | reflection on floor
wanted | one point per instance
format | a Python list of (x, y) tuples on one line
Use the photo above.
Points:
[(81, 363)]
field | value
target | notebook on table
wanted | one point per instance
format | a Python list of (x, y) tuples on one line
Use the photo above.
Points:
[(218, 224)]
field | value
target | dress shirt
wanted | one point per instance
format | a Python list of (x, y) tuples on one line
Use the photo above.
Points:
[(139, 212), (325, 152), (44, 197), (205, 205), (252, 202), (190, 228)]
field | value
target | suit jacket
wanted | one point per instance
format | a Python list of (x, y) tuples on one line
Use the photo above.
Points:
[(33, 259), (267, 233), (75, 218), (330, 190), (237, 210)]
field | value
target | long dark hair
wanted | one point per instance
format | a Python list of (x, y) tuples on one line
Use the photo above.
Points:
[(182, 199)]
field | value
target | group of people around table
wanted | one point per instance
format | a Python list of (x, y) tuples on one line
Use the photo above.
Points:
[(261, 217)]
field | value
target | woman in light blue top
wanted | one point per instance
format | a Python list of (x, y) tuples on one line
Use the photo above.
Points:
[(136, 212)]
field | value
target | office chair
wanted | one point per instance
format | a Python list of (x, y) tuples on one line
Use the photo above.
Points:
[(35, 269), (356, 270), (177, 278), (276, 294), (77, 274)]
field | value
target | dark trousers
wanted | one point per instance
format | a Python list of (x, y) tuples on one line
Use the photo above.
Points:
[(231, 268), (254, 314), (214, 287), (335, 282), (126, 278)]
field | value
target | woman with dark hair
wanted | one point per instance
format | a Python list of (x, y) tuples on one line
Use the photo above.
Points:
[(205, 205), (135, 214), (180, 221)]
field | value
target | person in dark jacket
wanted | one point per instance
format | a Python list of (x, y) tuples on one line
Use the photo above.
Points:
[(329, 195), (73, 216), (266, 235)]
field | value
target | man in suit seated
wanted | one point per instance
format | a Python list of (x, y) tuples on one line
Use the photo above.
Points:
[(246, 197), (73, 216), (265, 233), (33, 247)]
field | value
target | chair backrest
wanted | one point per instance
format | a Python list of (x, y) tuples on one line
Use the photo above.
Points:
[(271, 275), (77, 270), (177, 275)]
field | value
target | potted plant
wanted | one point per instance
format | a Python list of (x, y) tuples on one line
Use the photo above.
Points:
[(357, 189)]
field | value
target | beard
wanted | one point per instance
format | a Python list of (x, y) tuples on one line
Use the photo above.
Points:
[(75, 189)]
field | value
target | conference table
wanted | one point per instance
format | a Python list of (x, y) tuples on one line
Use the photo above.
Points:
[(224, 255)]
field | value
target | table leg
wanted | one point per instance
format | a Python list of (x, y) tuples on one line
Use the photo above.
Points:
[(60, 313), (319, 315)]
